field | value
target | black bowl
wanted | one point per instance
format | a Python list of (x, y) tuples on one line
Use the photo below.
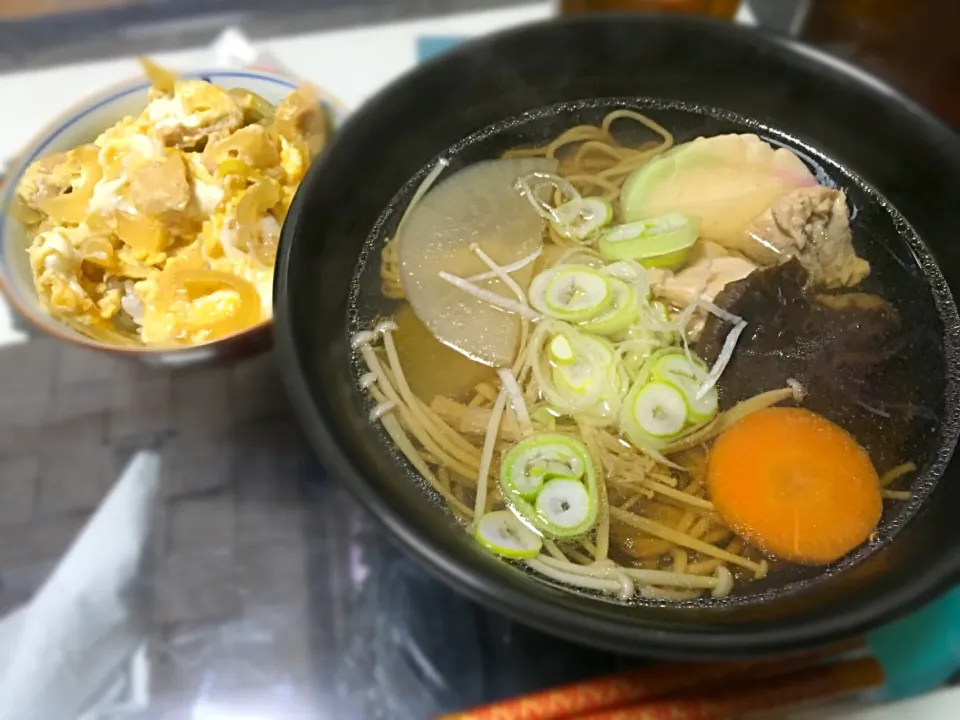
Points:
[(857, 122)]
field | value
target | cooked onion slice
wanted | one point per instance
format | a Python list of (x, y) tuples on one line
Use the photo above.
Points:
[(188, 284)]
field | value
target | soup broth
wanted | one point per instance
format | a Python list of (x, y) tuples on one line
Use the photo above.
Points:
[(655, 352)]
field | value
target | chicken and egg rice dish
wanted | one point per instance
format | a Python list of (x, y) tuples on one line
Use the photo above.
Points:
[(163, 231)]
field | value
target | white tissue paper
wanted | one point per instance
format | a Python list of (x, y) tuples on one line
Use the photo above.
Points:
[(233, 49), (62, 652)]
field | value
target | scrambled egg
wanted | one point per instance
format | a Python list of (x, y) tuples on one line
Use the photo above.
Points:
[(164, 230)]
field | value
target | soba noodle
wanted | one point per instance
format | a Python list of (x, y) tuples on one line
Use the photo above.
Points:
[(656, 535)]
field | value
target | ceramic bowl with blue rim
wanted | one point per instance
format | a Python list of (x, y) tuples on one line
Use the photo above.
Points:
[(82, 124)]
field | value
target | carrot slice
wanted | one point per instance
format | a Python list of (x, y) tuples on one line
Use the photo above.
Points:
[(795, 485)]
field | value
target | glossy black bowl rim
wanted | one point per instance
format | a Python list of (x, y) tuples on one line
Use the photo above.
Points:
[(602, 633)]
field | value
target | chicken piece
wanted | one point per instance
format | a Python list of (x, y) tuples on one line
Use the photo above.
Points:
[(162, 187), (162, 206), (705, 278), (711, 268), (196, 114), (811, 224), (300, 117)]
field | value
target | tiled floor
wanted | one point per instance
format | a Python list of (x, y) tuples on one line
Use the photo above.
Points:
[(230, 544)]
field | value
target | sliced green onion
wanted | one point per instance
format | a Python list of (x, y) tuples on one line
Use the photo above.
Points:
[(558, 398), (561, 351), (660, 310), (543, 417), (602, 349), (658, 242), (688, 375), (653, 412), (655, 316), (639, 345), (581, 217), (502, 533), (561, 467), (565, 506), (659, 410), (623, 311), (593, 364), (629, 271), (630, 425), (533, 462), (591, 387), (595, 373), (571, 292), (576, 377)]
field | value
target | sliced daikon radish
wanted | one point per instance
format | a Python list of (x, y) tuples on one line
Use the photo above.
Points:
[(477, 204)]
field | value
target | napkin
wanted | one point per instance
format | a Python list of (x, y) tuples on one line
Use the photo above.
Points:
[(63, 650)]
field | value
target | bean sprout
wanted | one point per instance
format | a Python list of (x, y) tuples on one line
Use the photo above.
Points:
[(490, 297), (511, 268)]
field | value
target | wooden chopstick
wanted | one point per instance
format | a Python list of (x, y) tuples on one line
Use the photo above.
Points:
[(802, 686), (657, 681)]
